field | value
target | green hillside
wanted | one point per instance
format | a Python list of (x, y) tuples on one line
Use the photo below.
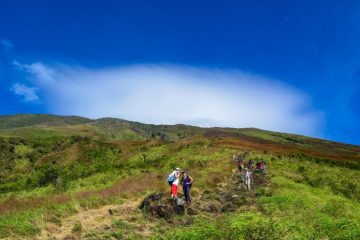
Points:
[(76, 178), (24, 120)]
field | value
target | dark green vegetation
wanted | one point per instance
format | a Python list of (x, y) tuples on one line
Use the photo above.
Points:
[(60, 175)]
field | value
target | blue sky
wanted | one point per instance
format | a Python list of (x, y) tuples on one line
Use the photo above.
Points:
[(291, 66)]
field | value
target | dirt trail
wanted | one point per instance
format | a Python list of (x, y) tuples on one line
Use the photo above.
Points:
[(231, 194)]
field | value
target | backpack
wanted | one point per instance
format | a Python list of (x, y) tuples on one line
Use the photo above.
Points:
[(261, 165), (179, 202), (171, 177)]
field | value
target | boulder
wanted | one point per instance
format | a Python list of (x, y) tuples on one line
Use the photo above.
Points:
[(158, 205)]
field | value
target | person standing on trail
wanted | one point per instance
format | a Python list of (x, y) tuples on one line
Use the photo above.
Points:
[(186, 182), (173, 180), (250, 164), (240, 163), (247, 178), (171, 176), (263, 166), (258, 166)]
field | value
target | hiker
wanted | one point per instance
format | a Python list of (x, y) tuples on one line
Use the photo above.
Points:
[(249, 164), (186, 182), (173, 180), (247, 178), (240, 163), (263, 166), (259, 166), (171, 176)]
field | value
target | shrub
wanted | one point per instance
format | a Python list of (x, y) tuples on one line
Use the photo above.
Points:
[(301, 169), (261, 191), (77, 228)]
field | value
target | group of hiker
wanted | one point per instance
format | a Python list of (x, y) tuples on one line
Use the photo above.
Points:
[(243, 165), (246, 168), (177, 177)]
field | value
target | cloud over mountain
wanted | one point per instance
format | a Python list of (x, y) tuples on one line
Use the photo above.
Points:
[(170, 94)]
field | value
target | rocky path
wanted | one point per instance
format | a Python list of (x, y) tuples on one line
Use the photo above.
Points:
[(228, 196)]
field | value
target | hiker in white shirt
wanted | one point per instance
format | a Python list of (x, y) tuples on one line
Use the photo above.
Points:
[(173, 179)]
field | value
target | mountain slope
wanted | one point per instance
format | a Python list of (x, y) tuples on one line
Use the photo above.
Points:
[(56, 171), (117, 129), (25, 120)]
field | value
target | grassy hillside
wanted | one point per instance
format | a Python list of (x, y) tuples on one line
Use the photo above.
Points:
[(23, 120), (59, 176)]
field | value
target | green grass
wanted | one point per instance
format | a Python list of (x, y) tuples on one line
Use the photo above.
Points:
[(305, 200), (308, 198), (289, 210), (31, 222), (202, 157), (24, 224), (273, 136)]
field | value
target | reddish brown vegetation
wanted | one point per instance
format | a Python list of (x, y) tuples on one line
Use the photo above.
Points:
[(130, 186), (311, 147), (14, 204), (127, 187)]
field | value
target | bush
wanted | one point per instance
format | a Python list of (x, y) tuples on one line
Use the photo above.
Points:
[(301, 169), (77, 228), (261, 192)]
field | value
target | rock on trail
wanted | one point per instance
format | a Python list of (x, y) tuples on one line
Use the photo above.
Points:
[(161, 206)]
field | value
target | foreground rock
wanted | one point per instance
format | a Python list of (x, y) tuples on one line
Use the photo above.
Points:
[(160, 206)]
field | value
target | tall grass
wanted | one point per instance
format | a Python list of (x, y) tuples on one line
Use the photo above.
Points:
[(307, 199)]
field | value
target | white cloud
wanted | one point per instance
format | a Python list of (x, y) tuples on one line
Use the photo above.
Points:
[(40, 72), (27, 93), (7, 45), (168, 94)]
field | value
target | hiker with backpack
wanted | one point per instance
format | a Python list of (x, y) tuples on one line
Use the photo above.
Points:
[(263, 167), (186, 182), (173, 180), (259, 166)]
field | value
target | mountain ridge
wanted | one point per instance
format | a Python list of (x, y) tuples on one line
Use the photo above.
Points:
[(30, 120)]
